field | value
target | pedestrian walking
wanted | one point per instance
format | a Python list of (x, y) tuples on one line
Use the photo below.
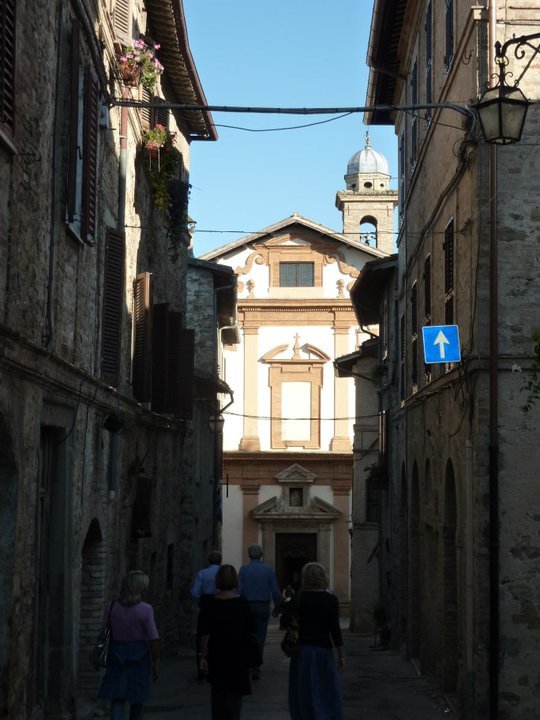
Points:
[(314, 688), (258, 585), (204, 587), (224, 656), (134, 649)]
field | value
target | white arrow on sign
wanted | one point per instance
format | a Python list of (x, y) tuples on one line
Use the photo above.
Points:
[(441, 340)]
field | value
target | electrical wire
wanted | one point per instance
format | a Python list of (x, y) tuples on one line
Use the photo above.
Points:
[(320, 419), (278, 129)]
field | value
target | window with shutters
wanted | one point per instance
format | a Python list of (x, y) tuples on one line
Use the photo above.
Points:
[(142, 338), (83, 144), (414, 115), (402, 175), (449, 273), (113, 303), (414, 334), (296, 274), (7, 65), (449, 34), (427, 289), (122, 21), (402, 357), (428, 37), (173, 358)]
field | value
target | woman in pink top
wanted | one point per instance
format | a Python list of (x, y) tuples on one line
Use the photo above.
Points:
[(134, 650)]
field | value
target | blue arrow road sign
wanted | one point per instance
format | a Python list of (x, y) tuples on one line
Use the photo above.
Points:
[(441, 344)]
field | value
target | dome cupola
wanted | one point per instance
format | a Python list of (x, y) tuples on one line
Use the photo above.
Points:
[(367, 170)]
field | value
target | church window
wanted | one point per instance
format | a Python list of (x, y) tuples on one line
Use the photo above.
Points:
[(296, 409), (296, 274)]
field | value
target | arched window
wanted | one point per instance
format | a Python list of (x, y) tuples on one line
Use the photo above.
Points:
[(368, 231)]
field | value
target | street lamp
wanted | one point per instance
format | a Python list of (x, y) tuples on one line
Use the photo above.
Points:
[(502, 109), (216, 423)]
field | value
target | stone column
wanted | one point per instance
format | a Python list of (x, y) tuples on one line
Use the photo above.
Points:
[(250, 528), (250, 440), (341, 441), (342, 544)]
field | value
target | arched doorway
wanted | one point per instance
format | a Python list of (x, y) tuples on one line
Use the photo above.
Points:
[(450, 605), (8, 520), (92, 599)]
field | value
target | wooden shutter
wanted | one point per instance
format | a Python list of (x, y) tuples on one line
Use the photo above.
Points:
[(181, 366), (427, 287), (449, 257), (161, 116), (113, 303), (74, 123), (142, 352), (7, 64), (122, 21), (90, 154), (160, 354), (173, 352), (145, 113)]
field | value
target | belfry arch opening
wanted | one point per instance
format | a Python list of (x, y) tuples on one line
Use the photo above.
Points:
[(368, 231)]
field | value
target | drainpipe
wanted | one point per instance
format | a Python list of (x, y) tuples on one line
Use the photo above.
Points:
[(493, 407)]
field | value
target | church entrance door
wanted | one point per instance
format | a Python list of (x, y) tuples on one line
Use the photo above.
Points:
[(293, 551)]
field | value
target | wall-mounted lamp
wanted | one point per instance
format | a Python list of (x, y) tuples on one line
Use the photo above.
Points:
[(216, 423), (502, 109)]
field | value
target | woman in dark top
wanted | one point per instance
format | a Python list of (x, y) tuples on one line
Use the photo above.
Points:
[(314, 691), (226, 626)]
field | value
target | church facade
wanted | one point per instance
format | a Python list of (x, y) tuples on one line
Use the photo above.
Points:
[(288, 437)]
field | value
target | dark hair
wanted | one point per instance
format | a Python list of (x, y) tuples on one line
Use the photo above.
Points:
[(226, 578), (214, 557), (314, 577), (255, 552)]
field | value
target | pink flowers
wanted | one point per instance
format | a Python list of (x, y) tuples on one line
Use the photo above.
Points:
[(142, 55)]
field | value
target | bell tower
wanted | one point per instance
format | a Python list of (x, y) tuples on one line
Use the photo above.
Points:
[(367, 205)]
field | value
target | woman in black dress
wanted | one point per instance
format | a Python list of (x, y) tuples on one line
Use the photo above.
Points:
[(226, 626), (314, 690)]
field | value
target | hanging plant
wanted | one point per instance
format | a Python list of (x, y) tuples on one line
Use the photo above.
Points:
[(138, 64), (170, 194)]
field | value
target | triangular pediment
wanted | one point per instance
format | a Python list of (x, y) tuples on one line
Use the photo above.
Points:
[(276, 509), (270, 235), (295, 474)]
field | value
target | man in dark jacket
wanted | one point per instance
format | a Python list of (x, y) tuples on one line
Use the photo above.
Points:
[(259, 586)]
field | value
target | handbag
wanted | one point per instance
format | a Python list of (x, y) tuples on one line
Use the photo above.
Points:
[(99, 654), (291, 639)]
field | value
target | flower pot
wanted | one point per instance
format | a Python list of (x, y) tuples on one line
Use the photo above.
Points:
[(130, 74), (152, 152)]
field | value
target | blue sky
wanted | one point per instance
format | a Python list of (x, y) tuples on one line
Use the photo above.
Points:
[(285, 53)]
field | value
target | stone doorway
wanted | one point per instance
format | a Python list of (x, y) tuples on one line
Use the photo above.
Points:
[(293, 551)]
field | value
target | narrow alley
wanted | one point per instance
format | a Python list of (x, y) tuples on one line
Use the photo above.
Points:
[(377, 685)]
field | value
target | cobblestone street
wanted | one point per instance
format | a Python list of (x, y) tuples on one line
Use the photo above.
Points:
[(377, 685)]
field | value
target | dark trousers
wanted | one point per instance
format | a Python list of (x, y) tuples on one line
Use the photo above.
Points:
[(226, 705), (260, 612)]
